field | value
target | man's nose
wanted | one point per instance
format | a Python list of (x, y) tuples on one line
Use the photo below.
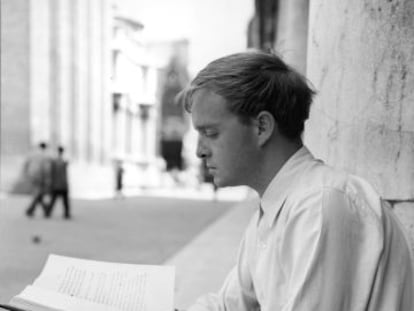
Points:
[(202, 150)]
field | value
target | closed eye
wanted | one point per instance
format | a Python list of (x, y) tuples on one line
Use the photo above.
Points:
[(210, 133), (207, 131)]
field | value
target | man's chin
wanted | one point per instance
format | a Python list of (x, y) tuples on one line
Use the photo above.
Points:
[(217, 182), (221, 183)]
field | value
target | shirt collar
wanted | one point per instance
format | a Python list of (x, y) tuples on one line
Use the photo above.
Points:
[(280, 186)]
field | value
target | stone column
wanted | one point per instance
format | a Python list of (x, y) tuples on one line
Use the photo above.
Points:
[(39, 71), (74, 45), (95, 77), (105, 89), (81, 77), (63, 90), (15, 89), (361, 61), (292, 32), (54, 70)]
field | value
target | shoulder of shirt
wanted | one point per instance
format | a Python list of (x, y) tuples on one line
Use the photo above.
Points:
[(321, 184)]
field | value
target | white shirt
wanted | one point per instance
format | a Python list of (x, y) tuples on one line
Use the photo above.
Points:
[(325, 242)]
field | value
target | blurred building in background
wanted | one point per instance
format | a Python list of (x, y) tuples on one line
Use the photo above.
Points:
[(360, 58), (135, 82), (55, 84), (78, 74)]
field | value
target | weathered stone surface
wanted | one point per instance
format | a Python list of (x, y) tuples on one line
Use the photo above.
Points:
[(361, 61), (15, 78), (292, 32)]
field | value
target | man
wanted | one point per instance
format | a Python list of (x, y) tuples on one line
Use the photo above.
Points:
[(37, 170), (321, 239), (60, 187), (119, 179)]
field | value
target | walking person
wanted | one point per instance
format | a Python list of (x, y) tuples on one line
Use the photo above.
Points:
[(59, 183), (37, 170), (119, 180), (320, 239)]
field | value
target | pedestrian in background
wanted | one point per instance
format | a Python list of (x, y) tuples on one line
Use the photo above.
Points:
[(320, 239), (59, 183), (119, 180), (37, 169)]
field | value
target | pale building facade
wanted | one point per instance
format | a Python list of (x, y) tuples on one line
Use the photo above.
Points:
[(135, 82), (74, 73)]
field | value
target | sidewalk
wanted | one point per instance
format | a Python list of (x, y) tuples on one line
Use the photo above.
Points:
[(202, 265), (138, 230)]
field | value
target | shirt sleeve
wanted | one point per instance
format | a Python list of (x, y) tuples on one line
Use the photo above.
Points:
[(330, 249)]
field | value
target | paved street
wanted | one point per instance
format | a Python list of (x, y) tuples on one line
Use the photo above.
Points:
[(141, 230), (186, 233)]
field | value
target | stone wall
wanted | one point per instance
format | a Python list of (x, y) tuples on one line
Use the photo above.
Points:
[(15, 81), (15, 77), (361, 61), (292, 32)]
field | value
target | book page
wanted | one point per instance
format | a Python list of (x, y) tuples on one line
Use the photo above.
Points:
[(37, 299), (125, 287)]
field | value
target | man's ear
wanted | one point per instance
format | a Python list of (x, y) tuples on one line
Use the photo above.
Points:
[(265, 125)]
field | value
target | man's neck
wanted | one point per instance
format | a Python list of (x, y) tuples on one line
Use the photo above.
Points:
[(274, 160)]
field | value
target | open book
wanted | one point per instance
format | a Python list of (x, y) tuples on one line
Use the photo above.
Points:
[(72, 284)]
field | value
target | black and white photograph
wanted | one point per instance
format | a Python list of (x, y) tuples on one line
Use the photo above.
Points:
[(207, 155)]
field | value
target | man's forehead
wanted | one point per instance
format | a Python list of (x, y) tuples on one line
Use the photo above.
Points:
[(205, 94), (206, 100), (208, 108)]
